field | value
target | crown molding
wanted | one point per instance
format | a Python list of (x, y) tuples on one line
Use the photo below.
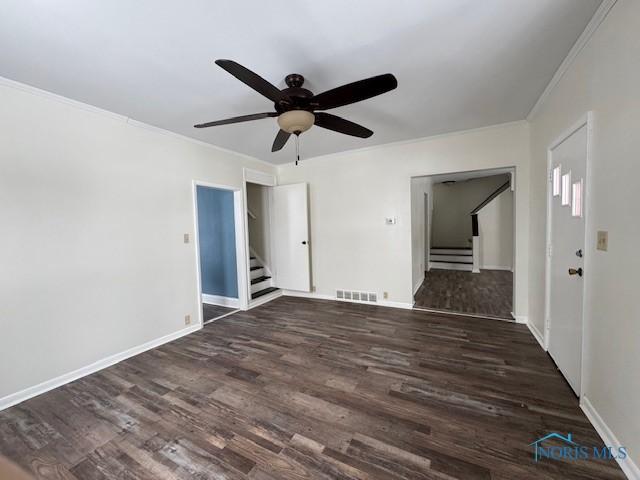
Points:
[(598, 17), (410, 141), (6, 82)]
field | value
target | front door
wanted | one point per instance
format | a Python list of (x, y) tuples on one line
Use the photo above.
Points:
[(566, 254)]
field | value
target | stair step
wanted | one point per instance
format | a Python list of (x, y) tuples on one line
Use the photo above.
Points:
[(260, 293), (451, 258), (467, 267), (259, 279), (451, 251), (256, 267), (256, 272)]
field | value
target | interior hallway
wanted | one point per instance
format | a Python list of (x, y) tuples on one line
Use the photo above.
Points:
[(488, 293)]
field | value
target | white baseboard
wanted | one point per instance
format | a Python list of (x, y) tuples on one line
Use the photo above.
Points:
[(627, 465), (520, 318), (536, 334), (319, 296), (418, 285), (222, 301), (496, 267), (27, 393)]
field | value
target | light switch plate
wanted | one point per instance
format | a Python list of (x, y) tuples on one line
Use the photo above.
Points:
[(603, 240), (187, 319), (186, 238)]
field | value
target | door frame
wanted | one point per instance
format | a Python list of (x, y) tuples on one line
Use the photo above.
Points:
[(584, 120), (239, 224), (266, 180), (427, 234), (512, 170)]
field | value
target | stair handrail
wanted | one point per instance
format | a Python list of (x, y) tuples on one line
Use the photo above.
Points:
[(493, 195)]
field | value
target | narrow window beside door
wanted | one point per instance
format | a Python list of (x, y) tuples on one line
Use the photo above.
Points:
[(566, 189), (556, 181), (576, 200)]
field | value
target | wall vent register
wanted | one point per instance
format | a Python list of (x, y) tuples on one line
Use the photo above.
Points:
[(355, 296)]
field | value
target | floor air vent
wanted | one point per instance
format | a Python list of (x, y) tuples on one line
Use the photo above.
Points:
[(356, 296)]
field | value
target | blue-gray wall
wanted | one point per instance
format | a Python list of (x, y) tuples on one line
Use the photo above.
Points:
[(216, 232)]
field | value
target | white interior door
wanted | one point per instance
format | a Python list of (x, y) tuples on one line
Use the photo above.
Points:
[(566, 254), (290, 237)]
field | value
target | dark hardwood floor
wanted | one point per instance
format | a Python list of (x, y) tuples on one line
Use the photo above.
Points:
[(312, 389), (488, 293), (210, 312)]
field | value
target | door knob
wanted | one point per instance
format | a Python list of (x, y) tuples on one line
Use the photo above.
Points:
[(574, 271)]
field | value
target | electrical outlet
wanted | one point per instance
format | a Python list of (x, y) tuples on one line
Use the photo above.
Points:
[(187, 319), (385, 295), (603, 240), (186, 238)]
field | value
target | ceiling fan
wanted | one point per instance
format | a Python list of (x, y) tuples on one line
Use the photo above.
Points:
[(298, 109)]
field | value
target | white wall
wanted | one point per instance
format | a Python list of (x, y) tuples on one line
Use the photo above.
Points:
[(419, 187), (258, 203), (605, 79), (352, 193), (495, 226), (452, 206), (93, 210)]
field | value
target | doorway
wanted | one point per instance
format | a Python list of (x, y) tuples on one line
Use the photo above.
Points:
[(219, 250), (566, 200), (277, 241), (463, 243)]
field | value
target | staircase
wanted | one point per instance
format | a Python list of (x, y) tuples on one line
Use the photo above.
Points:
[(261, 281), (451, 258)]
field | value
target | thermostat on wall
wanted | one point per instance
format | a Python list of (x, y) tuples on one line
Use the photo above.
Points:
[(390, 220)]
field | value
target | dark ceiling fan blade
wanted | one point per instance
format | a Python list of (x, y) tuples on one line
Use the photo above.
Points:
[(281, 139), (354, 92), (338, 124), (241, 118), (252, 79)]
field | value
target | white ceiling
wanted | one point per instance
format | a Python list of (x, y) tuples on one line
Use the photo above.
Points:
[(460, 64)]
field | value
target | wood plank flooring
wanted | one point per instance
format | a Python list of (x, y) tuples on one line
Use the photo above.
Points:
[(209, 311), (310, 389), (488, 293)]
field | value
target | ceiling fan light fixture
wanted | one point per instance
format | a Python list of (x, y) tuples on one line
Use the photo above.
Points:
[(296, 121)]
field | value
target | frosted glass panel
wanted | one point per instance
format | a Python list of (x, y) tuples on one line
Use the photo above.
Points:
[(556, 181), (576, 199), (566, 189)]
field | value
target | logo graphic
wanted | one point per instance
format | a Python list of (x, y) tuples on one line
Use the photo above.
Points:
[(568, 449)]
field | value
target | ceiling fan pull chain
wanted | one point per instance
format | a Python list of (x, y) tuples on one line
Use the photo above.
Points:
[(297, 148)]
